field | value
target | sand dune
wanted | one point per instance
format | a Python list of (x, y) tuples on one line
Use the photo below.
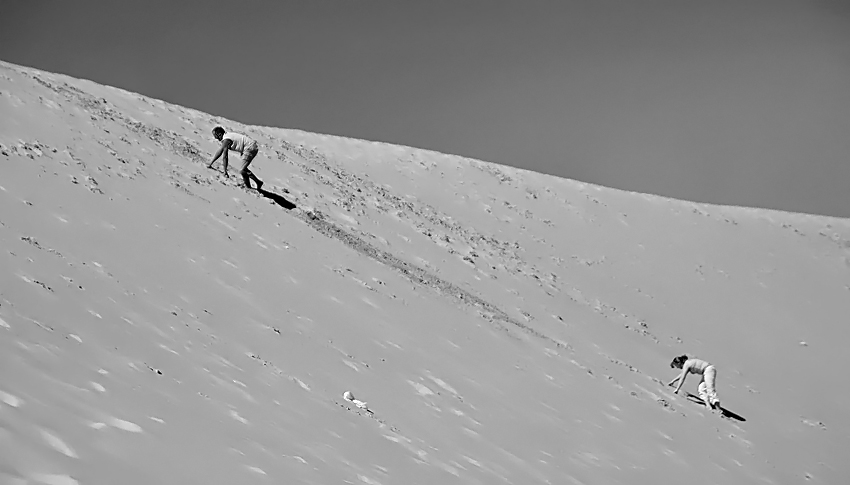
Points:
[(159, 324)]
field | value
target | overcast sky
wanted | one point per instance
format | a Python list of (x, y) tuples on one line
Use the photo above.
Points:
[(733, 102)]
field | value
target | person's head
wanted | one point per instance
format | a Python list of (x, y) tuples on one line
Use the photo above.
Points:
[(679, 361), (218, 133)]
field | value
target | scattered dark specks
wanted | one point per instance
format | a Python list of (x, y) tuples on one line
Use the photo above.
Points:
[(38, 283), (665, 404)]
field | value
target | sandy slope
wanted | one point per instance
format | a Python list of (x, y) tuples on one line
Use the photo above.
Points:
[(161, 325)]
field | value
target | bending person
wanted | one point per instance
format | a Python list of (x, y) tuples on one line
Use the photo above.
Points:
[(707, 374), (245, 146)]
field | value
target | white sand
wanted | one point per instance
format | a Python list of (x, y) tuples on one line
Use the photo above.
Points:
[(161, 325)]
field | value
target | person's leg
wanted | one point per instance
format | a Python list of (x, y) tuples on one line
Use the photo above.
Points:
[(259, 182), (710, 375), (247, 174), (703, 393)]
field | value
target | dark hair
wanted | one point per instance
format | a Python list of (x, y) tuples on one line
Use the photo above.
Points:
[(218, 130), (679, 361)]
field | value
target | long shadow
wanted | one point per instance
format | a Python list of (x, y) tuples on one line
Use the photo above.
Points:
[(278, 199), (726, 413)]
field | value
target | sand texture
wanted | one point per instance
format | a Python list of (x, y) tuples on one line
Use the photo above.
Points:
[(160, 324)]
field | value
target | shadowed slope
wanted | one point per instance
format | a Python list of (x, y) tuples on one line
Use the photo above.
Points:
[(161, 325)]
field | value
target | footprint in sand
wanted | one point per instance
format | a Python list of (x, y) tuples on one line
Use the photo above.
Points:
[(300, 383), (368, 480), (237, 417), (57, 444), (124, 425), (51, 479), (10, 400), (420, 389), (443, 385)]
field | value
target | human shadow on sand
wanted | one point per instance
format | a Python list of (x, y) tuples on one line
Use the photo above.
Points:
[(726, 413), (278, 199)]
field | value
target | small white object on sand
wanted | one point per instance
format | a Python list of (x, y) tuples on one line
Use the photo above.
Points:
[(348, 396)]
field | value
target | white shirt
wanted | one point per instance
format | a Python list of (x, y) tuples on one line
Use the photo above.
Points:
[(239, 142)]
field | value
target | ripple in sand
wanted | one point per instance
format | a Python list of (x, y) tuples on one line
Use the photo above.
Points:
[(125, 425), (50, 479), (10, 400), (57, 444)]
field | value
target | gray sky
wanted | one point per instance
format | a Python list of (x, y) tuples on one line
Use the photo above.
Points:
[(733, 102)]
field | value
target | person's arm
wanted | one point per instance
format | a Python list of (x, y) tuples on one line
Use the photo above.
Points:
[(674, 380), (681, 378), (222, 150), (225, 147)]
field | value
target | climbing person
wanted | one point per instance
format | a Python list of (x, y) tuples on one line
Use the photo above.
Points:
[(707, 373), (242, 144)]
